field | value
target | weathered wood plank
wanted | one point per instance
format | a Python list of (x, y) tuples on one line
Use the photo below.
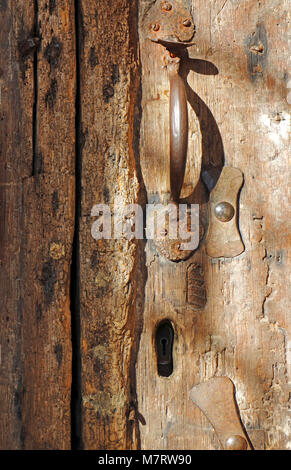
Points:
[(16, 162), (38, 98), (238, 112), (49, 198), (243, 330), (109, 283)]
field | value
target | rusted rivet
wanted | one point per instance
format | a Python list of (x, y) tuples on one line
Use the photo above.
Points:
[(257, 48), (164, 233), (187, 22), (236, 443), (155, 27), (224, 211), (166, 6)]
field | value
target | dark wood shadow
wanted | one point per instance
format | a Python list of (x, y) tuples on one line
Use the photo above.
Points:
[(212, 145)]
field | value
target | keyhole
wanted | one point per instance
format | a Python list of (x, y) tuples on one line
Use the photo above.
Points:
[(164, 348)]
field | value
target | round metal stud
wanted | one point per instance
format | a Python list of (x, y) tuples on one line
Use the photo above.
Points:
[(224, 211), (187, 22), (236, 443), (167, 6), (155, 27)]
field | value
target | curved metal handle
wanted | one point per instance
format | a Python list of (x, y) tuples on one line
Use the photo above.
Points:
[(178, 131)]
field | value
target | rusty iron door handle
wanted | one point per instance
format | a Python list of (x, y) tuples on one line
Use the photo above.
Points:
[(178, 131), (171, 25)]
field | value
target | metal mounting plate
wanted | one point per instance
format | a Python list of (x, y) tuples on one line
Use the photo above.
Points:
[(216, 399), (169, 23), (223, 237)]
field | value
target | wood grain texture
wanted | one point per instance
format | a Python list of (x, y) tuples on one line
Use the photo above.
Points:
[(37, 195), (110, 303), (16, 158), (107, 118), (241, 114)]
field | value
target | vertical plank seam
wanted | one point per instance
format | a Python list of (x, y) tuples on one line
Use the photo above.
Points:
[(76, 419)]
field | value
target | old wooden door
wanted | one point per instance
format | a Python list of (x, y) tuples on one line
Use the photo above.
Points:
[(84, 103)]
